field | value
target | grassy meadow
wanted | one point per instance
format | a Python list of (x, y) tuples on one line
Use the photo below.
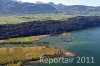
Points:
[(24, 39), (13, 19)]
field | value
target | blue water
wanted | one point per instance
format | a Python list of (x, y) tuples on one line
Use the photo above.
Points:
[(86, 43)]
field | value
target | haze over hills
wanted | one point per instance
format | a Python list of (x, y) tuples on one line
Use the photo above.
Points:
[(16, 7), (13, 7)]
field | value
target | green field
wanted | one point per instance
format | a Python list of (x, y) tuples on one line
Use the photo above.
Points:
[(24, 39), (13, 19), (21, 39)]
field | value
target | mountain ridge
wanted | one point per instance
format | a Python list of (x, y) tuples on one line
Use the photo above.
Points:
[(15, 7)]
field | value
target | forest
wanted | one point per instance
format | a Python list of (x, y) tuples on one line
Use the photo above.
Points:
[(48, 27)]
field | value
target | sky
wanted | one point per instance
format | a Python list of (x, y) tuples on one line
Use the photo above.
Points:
[(69, 2)]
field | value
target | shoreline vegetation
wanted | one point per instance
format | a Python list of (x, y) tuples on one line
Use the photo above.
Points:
[(24, 39), (24, 34), (34, 40), (26, 54), (29, 39), (20, 54)]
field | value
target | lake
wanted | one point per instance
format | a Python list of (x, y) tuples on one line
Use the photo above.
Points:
[(86, 44)]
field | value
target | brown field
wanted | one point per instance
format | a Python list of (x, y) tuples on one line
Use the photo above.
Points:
[(8, 55)]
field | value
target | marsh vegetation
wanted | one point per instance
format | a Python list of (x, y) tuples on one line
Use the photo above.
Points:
[(26, 54)]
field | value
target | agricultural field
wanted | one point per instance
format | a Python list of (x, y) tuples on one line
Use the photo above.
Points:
[(13, 19)]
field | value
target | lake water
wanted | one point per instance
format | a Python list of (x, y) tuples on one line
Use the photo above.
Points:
[(86, 44)]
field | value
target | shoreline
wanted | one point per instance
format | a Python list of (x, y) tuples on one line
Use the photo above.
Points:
[(29, 53), (24, 39)]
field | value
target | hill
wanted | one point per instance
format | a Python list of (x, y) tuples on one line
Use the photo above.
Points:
[(16, 7), (48, 27), (76, 9)]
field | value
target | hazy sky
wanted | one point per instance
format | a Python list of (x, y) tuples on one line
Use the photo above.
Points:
[(70, 2)]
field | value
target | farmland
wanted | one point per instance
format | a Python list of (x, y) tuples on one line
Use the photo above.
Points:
[(14, 19)]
